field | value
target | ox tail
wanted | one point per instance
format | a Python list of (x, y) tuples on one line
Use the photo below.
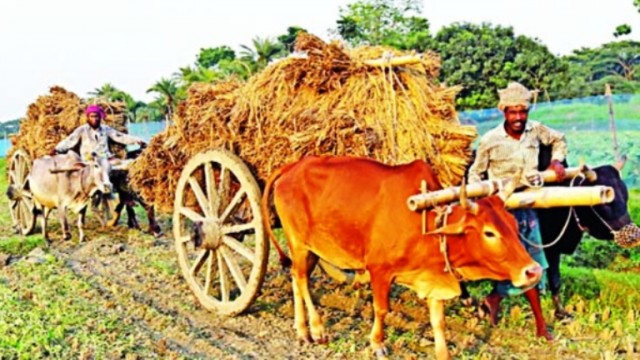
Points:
[(285, 261)]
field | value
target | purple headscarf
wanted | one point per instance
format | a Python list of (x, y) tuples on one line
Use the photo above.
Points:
[(95, 109)]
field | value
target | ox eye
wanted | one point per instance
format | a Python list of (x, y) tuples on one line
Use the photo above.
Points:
[(489, 234)]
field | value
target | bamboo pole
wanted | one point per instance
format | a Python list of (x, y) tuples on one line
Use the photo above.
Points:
[(450, 194), (612, 120), (560, 196), (388, 60), (485, 188)]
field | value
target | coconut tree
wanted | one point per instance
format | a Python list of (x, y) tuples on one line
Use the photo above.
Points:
[(106, 91), (167, 89), (263, 51)]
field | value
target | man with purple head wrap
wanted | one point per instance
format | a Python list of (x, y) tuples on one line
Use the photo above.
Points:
[(94, 137)]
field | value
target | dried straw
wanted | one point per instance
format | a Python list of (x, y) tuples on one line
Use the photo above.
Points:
[(55, 115), (327, 102)]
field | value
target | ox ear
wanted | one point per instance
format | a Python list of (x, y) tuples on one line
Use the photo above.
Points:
[(451, 229)]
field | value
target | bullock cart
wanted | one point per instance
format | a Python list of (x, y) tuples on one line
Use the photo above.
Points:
[(23, 208), (208, 168)]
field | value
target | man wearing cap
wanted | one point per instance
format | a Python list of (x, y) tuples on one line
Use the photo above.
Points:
[(94, 137), (506, 150)]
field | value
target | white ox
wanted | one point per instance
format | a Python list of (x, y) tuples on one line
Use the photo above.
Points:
[(67, 182)]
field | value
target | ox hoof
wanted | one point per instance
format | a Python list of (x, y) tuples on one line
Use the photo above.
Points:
[(381, 352), (468, 302), (490, 307), (66, 236), (563, 315), (304, 339), (545, 334), (320, 339), (157, 233)]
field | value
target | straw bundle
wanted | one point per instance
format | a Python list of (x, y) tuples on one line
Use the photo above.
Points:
[(54, 116), (327, 102)]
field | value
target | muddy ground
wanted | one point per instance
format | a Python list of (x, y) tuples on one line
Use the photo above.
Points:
[(136, 278)]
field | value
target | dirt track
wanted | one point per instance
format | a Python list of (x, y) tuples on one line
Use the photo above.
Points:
[(137, 278)]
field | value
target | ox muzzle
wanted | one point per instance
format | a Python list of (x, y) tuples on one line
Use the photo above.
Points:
[(529, 277)]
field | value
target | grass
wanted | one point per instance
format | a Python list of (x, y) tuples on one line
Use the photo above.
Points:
[(50, 311), (56, 318)]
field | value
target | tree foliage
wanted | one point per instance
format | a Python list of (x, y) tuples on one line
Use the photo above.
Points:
[(384, 22), (621, 30), (288, 40), (615, 63), (484, 58), (210, 57)]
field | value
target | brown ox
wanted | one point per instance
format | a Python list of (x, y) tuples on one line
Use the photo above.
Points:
[(352, 213)]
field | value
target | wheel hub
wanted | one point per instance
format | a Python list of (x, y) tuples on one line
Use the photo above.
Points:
[(212, 234)]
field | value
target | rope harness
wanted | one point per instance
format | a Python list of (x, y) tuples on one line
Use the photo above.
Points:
[(442, 215), (625, 237)]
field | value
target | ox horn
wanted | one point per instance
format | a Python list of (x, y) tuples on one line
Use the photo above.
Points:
[(511, 185), (620, 163), (465, 202)]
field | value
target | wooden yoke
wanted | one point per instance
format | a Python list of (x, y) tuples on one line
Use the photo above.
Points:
[(568, 196)]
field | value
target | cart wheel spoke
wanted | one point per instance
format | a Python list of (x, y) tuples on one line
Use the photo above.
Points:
[(192, 215), (12, 178), (239, 247), (233, 204), (210, 184), (235, 229), (202, 199), (234, 268), (224, 282), (197, 265), (207, 283)]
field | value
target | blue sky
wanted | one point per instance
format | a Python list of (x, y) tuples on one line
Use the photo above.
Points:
[(82, 44)]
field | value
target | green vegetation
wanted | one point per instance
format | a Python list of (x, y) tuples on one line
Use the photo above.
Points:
[(56, 318)]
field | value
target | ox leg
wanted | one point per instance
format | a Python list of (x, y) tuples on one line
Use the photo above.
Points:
[(380, 287), (45, 214), (154, 228), (81, 216), (132, 221), (62, 214), (541, 327), (436, 315), (302, 258), (116, 214)]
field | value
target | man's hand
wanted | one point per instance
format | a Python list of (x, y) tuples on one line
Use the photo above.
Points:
[(558, 168)]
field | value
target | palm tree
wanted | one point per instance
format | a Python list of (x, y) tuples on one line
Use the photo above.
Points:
[(263, 51), (188, 75), (167, 89), (107, 91)]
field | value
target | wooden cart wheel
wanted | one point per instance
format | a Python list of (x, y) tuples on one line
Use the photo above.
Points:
[(217, 203), (22, 207)]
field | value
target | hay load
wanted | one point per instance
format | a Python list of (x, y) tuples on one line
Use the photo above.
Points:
[(54, 116), (327, 101)]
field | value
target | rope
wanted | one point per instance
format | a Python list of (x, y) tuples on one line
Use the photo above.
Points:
[(441, 219), (572, 211)]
